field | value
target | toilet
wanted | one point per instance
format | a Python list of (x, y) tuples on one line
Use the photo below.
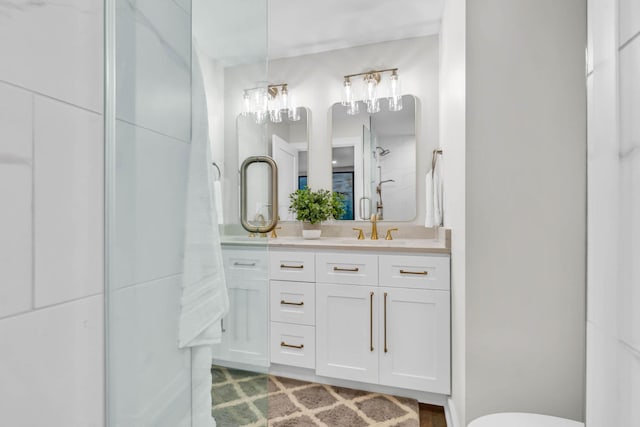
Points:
[(521, 419)]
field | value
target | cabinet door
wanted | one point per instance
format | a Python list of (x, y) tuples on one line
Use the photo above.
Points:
[(346, 332), (414, 339), (246, 327)]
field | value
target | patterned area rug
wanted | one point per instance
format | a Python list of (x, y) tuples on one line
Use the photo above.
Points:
[(242, 398)]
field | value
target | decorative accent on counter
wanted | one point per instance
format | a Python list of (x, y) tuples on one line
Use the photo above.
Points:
[(313, 207)]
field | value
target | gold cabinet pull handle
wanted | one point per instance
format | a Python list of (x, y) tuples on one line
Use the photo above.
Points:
[(371, 321), (284, 344), (418, 273), (385, 323), (283, 302), (298, 267), (244, 264), (354, 269)]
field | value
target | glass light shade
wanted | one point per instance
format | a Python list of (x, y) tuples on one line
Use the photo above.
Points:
[(284, 98), (395, 93), (260, 116), (347, 94), (371, 95), (353, 108), (260, 100), (373, 106), (294, 114), (246, 104), (275, 115)]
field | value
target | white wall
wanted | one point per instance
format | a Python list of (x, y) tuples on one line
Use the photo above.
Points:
[(525, 207), (613, 331), (452, 137), (316, 82), (149, 377), (51, 215)]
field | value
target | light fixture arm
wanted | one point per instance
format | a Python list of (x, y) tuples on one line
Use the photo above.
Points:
[(372, 72)]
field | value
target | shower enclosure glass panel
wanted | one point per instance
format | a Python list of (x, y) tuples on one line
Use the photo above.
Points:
[(155, 51)]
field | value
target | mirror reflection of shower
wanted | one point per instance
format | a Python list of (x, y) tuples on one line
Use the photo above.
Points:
[(377, 154), (381, 152)]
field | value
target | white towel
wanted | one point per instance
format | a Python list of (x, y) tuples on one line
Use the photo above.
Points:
[(204, 291), (204, 298), (434, 196), (438, 193), (217, 194), (429, 219)]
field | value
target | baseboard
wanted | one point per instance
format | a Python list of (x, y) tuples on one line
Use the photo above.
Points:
[(450, 414)]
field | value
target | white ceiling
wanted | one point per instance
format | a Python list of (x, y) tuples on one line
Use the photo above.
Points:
[(235, 31)]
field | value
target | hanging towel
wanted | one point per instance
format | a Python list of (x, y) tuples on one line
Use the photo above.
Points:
[(434, 195), (429, 214), (204, 291), (204, 299), (217, 194), (438, 193)]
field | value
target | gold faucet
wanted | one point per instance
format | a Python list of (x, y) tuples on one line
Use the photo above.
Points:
[(274, 233), (263, 222), (360, 233), (374, 227), (389, 236)]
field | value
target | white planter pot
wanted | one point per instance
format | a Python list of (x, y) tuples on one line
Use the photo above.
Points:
[(311, 234)]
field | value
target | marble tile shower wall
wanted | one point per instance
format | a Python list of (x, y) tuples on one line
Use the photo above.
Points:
[(51, 213), (613, 318)]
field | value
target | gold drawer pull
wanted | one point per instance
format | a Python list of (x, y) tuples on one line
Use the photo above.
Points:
[(418, 273), (284, 344), (299, 267), (371, 321), (386, 348), (354, 269), (243, 264), (291, 303)]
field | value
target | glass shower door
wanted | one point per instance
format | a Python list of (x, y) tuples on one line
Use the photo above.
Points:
[(152, 48)]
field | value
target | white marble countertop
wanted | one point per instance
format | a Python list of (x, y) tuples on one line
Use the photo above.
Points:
[(343, 243)]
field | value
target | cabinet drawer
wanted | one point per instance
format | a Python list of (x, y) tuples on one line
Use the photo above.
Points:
[(245, 263), (294, 266), (293, 345), (411, 271), (293, 302), (351, 269)]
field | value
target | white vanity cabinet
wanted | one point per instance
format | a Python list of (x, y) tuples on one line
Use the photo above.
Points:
[(347, 337), (386, 323), (245, 329), (292, 308), (413, 330), (368, 316)]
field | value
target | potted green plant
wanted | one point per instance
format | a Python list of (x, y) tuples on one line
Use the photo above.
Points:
[(313, 207)]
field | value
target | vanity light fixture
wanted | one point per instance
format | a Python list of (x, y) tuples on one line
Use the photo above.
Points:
[(370, 94), (269, 102)]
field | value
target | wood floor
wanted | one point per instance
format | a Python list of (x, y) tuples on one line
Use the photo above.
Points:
[(432, 416)]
